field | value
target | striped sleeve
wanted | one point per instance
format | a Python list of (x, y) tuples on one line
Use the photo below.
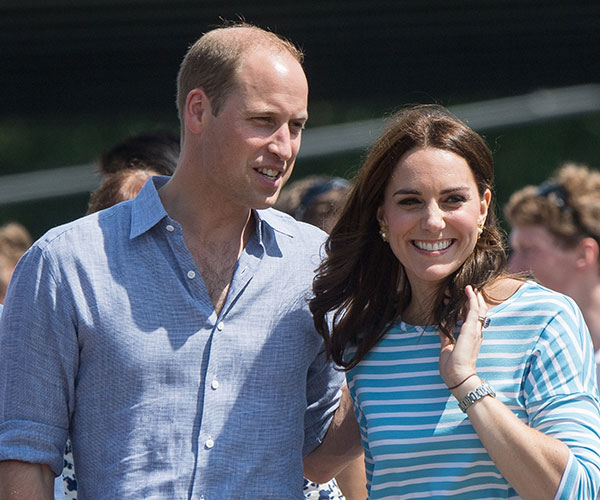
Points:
[(561, 398)]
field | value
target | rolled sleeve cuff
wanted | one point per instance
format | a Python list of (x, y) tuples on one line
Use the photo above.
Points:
[(33, 442), (315, 434)]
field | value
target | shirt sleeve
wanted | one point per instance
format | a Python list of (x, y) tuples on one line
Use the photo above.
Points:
[(323, 397), (562, 400), (38, 360)]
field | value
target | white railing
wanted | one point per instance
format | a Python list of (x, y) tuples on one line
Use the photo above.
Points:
[(334, 139)]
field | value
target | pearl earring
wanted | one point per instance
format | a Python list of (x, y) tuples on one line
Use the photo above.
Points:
[(383, 232), (479, 230)]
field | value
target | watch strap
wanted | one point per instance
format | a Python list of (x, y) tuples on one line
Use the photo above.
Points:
[(475, 395)]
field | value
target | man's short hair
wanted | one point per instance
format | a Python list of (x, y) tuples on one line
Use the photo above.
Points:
[(211, 63)]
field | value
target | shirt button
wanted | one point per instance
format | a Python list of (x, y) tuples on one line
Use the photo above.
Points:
[(209, 443), (191, 274), (170, 228), (215, 384), (220, 326)]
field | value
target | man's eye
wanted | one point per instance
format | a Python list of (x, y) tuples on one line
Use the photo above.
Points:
[(297, 127), (264, 120)]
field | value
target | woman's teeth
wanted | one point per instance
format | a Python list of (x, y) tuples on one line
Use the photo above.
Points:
[(433, 247)]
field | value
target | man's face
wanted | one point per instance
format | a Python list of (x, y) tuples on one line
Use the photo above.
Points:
[(535, 249), (251, 146)]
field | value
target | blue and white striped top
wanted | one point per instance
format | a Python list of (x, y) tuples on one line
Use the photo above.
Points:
[(538, 356)]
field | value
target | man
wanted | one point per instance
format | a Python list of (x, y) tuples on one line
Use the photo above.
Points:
[(169, 336)]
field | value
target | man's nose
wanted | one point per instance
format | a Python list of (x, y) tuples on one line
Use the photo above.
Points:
[(281, 143)]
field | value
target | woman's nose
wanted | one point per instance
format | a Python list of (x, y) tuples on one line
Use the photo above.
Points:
[(433, 218)]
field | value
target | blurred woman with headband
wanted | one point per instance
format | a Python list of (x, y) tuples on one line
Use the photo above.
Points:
[(556, 235)]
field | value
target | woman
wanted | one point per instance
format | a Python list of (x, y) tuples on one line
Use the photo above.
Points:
[(414, 276), (555, 234)]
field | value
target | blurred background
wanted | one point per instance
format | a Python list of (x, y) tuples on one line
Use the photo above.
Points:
[(78, 76)]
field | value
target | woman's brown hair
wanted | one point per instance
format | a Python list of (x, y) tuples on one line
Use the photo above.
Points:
[(360, 282)]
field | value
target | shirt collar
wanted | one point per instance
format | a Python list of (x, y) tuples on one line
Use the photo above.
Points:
[(147, 210), (269, 221)]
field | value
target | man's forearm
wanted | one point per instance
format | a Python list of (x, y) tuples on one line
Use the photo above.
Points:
[(340, 446), (25, 481)]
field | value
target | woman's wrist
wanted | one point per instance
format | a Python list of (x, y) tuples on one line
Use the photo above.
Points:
[(467, 386), (456, 386)]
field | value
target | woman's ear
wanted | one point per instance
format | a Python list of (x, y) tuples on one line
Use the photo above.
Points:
[(381, 216), (197, 106), (484, 206)]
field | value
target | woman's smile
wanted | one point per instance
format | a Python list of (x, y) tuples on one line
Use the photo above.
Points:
[(433, 246)]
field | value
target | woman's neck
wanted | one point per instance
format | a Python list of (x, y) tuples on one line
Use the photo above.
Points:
[(420, 309)]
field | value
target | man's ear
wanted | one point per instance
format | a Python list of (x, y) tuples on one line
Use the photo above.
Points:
[(586, 254), (197, 108)]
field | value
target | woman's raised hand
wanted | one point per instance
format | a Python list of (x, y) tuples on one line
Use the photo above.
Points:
[(458, 361)]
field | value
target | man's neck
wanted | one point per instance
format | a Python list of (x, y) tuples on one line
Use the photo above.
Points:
[(215, 235)]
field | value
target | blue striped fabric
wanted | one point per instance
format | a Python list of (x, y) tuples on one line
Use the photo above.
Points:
[(536, 353)]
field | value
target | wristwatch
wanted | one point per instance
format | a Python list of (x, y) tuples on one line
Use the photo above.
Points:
[(475, 395)]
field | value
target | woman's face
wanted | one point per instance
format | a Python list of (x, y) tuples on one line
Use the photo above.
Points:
[(432, 209)]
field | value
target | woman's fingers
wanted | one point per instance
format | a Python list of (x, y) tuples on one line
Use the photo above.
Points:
[(475, 318), (460, 359)]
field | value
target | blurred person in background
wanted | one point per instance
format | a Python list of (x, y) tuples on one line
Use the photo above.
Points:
[(127, 166), (158, 150), (555, 234), (119, 186), (316, 199), (14, 242)]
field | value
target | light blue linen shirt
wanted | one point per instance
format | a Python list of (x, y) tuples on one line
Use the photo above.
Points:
[(109, 335)]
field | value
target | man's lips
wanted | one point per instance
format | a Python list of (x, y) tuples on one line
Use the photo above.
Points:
[(270, 173)]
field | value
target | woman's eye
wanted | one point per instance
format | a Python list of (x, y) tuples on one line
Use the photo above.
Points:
[(408, 201), (456, 198)]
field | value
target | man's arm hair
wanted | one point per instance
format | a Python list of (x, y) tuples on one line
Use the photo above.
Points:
[(25, 481), (340, 446)]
